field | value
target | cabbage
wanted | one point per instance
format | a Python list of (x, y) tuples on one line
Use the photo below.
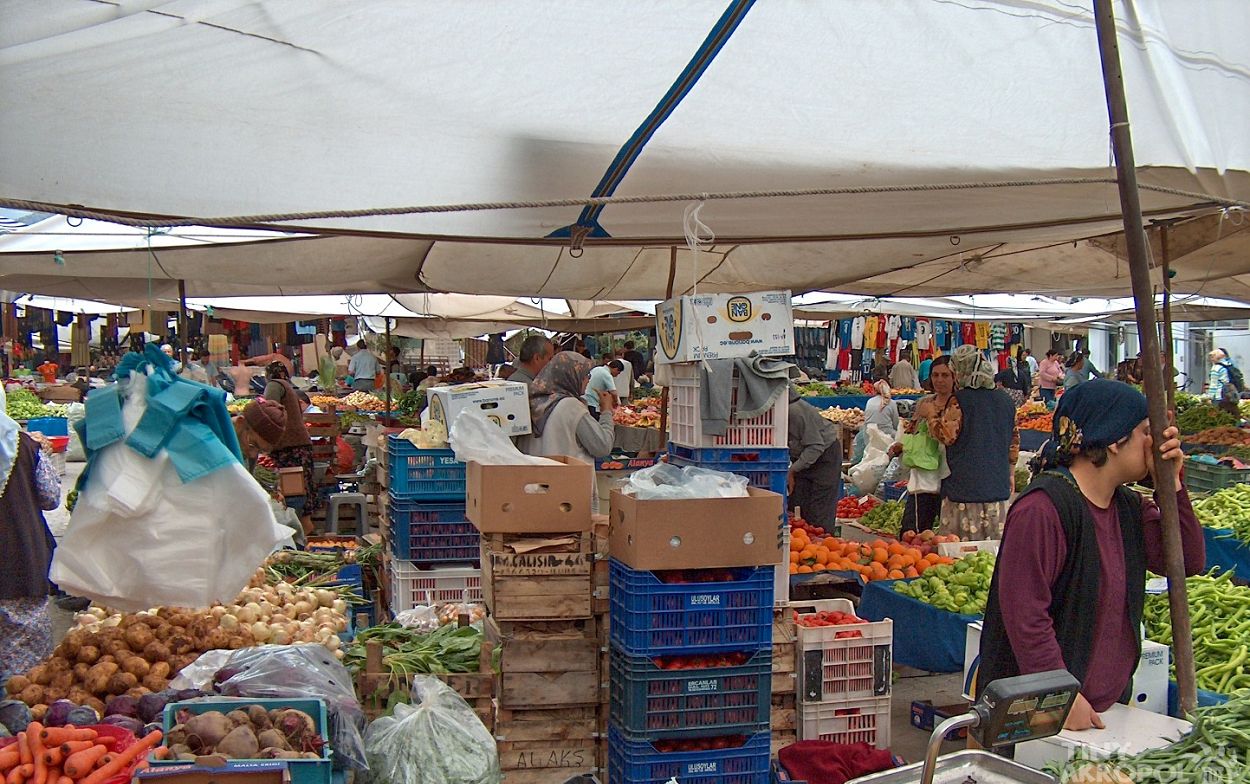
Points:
[(58, 713), (83, 716), (122, 706), (151, 706), (14, 715), (125, 722)]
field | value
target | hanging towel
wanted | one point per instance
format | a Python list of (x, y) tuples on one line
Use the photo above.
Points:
[(715, 395), (760, 381)]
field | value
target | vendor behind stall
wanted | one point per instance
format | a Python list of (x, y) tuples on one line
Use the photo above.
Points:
[(815, 462), (1070, 581)]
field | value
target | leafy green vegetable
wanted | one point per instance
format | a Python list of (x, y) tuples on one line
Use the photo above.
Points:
[(406, 652), (24, 404)]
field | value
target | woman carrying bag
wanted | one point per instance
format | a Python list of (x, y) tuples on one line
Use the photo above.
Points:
[(923, 454)]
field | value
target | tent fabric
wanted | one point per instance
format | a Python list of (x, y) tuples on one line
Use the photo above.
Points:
[(507, 104)]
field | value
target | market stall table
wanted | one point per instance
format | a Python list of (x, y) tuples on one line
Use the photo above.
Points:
[(925, 637), (636, 440), (1226, 552)]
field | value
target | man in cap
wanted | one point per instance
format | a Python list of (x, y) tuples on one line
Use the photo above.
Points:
[(1070, 581)]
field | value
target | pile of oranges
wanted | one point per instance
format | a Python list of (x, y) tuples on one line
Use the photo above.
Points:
[(879, 560)]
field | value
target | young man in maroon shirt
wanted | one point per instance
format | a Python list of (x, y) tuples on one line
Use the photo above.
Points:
[(1069, 585)]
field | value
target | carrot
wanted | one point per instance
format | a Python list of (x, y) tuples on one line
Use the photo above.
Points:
[(74, 746), (80, 763), (36, 749), (20, 773), (23, 748), (105, 740), (161, 752), (10, 758), (53, 758), (55, 736), (123, 758), (64, 780)]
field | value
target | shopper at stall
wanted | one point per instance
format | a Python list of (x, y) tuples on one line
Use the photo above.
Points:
[(921, 509), (1221, 388), (978, 428), (280, 425), (1031, 362), (922, 373), (265, 360), (29, 485), (904, 376), (635, 358), (1070, 580), (1079, 370), (363, 368), (536, 352), (603, 379), (1050, 374), (1015, 379), (815, 462), (560, 420)]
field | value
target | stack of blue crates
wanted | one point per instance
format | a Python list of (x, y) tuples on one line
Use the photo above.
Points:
[(426, 508)]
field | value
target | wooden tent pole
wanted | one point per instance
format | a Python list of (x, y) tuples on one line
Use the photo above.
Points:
[(1147, 329), (668, 294)]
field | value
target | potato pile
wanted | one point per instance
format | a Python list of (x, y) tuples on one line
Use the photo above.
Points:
[(136, 656)]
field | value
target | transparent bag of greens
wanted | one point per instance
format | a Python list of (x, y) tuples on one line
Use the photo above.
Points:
[(438, 740)]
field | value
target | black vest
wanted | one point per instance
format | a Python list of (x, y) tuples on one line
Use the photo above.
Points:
[(1075, 593), (24, 537)]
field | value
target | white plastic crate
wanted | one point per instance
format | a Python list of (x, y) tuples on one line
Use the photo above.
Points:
[(685, 420), (411, 586), (850, 721), (835, 670), (960, 549)]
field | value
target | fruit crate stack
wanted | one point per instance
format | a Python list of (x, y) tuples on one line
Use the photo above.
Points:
[(783, 715), (538, 556), (755, 448), (691, 639), (844, 668), (433, 550)]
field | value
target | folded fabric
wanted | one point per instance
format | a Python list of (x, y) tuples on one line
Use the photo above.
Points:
[(761, 380), (824, 762), (715, 395)]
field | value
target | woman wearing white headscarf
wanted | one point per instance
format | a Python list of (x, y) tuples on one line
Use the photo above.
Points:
[(28, 485), (982, 443)]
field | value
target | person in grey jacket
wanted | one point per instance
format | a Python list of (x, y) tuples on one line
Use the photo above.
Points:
[(815, 462)]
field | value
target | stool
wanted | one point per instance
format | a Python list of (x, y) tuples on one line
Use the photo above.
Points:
[(357, 500)]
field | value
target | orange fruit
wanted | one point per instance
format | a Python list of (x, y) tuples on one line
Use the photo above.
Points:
[(794, 568), (921, 566), (822, 555), (794, 556), (818, 567), (911, 572), (894, 574), (879, 555), (805, 570)]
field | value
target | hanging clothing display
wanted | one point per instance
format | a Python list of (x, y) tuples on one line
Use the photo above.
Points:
[(167, 515), (998, 336)]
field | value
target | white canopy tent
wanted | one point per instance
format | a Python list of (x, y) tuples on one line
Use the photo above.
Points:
[(900, 135)]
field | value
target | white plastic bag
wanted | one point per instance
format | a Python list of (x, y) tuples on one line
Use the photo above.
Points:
[(439, 741), (866, 475), (140, 537), (666, 482), (926, 481), (476, 438), (75, 453)]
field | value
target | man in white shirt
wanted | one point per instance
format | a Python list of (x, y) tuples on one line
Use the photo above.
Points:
[(625, 381), (603, 379), (363, 368)]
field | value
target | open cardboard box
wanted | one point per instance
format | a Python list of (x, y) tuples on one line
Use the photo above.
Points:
[(215, 770), (530, 498), (697, 533)]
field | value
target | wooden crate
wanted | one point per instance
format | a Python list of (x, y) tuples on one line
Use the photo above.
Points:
[(546, 745), (374, 685), (783, 715), (783, 738), (322, 425), (547, 664), (549, 584), (785, 649)]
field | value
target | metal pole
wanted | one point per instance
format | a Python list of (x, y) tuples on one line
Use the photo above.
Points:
[(182, 320), (1143, 299), (1169, 361), (387, 376)]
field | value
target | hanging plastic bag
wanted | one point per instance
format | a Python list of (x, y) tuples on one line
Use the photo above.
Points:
[(438, 741), (75, 413), (866, 475), (141, 537), (920, 450), (301, 671), (476, 438), (666, 482)]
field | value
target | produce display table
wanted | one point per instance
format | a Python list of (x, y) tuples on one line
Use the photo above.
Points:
[(925, 637), (636, 439), (849, 401), (1205, 699), (1230, 555)]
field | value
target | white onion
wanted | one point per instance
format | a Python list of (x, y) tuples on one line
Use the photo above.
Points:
[(229, 622), (326, 598), (217, 612), (303, 608), (280, 637), (339, 606), (333, 642), (261, 631), (113, 621)]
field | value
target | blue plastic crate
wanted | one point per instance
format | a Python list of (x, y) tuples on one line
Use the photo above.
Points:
[(892, 492), (429, 533), (303, 771), (423, 474), (757, 474), (49, 426), (351, 574), (772, 458), (640, 762), (652, 702), (654, 618)]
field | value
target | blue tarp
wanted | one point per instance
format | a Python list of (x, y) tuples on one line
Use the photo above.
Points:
[(1230, 555), (924, 636)]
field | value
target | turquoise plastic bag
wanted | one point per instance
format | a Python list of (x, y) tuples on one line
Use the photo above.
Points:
[(921, 450)]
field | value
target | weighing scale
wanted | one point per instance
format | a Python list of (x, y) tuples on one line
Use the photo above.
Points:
[(1011, 711)]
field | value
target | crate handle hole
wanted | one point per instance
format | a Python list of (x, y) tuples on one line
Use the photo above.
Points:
[(507, 506), (489, 405), (741, 335), (748, 538), (566, 507), (675, 542)]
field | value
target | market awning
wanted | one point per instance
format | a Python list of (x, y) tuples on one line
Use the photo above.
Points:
[(970, 154)]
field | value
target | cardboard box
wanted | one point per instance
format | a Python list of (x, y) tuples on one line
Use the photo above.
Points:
[(1150, 681), (530, 498), (697, 533), (291, 481), (60, 394), (212, 770), (505, 403), (1128, 731), (725, 326), (925, 716)]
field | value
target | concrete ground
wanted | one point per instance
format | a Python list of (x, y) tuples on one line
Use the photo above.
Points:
[(58, 522), (905, 740)]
